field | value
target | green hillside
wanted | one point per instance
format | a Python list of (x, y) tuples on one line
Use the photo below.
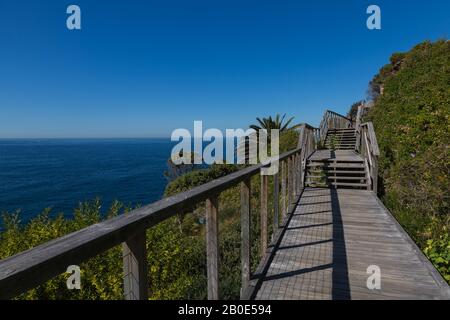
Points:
[(411, 117)]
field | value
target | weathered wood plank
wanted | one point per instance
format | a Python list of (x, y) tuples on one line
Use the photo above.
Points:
[(331, 240), (276, 203), (245, 234), (212, 247), (135, 268), (264, 213), (283, 188)]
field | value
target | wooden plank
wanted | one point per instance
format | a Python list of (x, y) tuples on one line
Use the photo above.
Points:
[(373, 139), (283, 188), (245, 235), (264, 213), (290, 192), (297, 174), (276, 203), (328, 244), (375, 175), (135, 268), (293, 185), (212, 247), (294, 175)]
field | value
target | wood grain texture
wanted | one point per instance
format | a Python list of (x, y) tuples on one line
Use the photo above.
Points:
[(245, 234), (264, 212), (135, 279), (212, 247), (330, 241), (283, 188), (276, 201)]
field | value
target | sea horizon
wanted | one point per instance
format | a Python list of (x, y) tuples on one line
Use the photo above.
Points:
[(59, 173)]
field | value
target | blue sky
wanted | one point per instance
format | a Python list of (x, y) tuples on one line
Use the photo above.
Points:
[(145, 68)]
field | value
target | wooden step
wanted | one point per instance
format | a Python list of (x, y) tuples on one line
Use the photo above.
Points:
[(336, 185), (335, 178), (337, 171), (337, 165), (341, 137), (350, 134), (340, 140), (328, 161), (349, 184)]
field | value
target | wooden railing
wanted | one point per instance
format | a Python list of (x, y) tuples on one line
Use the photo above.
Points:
[(33, 267), (362, 110), (308, 139), (370, 151), (332, 120), (367, 146)]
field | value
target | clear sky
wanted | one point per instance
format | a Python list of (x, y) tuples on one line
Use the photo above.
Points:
[(145, 68)]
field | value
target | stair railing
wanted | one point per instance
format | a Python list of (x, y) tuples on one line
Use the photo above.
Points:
[(33, 267), (371, 152), (362, 111), (332, 120), (308, 141)]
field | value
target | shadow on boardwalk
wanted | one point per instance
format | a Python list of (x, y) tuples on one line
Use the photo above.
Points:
[(326, 245)]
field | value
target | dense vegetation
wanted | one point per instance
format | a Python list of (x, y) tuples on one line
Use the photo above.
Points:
[(411, 114), (175, 247), (411, 117)]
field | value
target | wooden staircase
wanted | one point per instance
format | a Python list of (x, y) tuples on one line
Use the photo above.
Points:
[(344, 163), (341, 139), (338, 169)]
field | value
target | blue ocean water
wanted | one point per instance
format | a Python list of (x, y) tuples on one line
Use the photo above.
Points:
[(59, 173)]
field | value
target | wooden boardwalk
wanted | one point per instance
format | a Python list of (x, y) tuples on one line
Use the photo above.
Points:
[(336, 230), (329, 242)]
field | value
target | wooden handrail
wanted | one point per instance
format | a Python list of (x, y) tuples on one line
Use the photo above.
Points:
[(370, 151), (333, 120), (32, 267), (339, 115), (372, 137)]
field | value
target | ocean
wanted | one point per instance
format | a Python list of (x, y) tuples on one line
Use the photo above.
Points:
[(59, 173)]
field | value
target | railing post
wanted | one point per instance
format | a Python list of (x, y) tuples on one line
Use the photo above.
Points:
[(263, 213), (299, 173), (291, 184), (283, 189), (276, 204), (245, 235), (295, 172), (135, 279), (212, 247), (375, 174)]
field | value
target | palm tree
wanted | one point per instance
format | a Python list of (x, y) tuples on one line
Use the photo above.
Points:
[(268, 124), (276, 123)]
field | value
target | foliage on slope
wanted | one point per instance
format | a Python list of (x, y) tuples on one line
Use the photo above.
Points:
[(175, 248), (411, 119)]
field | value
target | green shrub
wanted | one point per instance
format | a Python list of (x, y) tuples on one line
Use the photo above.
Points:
[(411, 120)]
